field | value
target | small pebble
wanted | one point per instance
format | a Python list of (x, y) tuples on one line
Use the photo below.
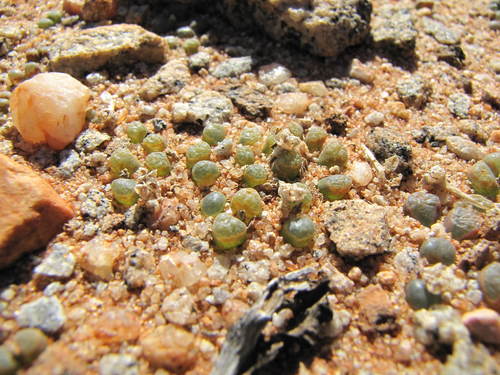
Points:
[(361, 173), (375, 118), (315, 88), (484, 324), (273, 74), (361, 73), (294, 103), (463, 148), (459, 104)]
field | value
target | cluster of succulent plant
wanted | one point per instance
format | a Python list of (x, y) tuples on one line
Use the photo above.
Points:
[(50, 19), (123, 163), (286, 152)]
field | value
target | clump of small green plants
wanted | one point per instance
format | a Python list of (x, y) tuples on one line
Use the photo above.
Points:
[(50, 19)]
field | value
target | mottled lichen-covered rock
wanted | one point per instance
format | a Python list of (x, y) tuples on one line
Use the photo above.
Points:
[(88, 50), (394, 29), (325, 28), (357, 228)]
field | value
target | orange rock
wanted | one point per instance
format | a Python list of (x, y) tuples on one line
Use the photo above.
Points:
[(376, 310), (50, 108), (73, 6), (116, 325), (170, 347), (92, 10), (99, 10), (32, 212)]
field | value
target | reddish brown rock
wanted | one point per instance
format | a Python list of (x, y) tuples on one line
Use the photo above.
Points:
[(116, 325), (92, 10), (170, 347), (32, 212), (483, 324), (376, 310)]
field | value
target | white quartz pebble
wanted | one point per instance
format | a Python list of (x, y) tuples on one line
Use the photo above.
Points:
[(50, 108)]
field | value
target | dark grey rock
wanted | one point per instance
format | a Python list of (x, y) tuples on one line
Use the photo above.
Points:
[(45, 313), (394, 29), (170, 79), (386, 143), (59, 264), (251, 103), (233, 67), (451, 54)]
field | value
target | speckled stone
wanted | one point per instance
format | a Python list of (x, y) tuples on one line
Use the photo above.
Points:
[(440, 32), (59, 264), (170, 79), (203, 108), (233, 67), (394, 29)]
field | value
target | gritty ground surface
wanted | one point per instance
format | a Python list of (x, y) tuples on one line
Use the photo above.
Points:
[(114, 311)]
